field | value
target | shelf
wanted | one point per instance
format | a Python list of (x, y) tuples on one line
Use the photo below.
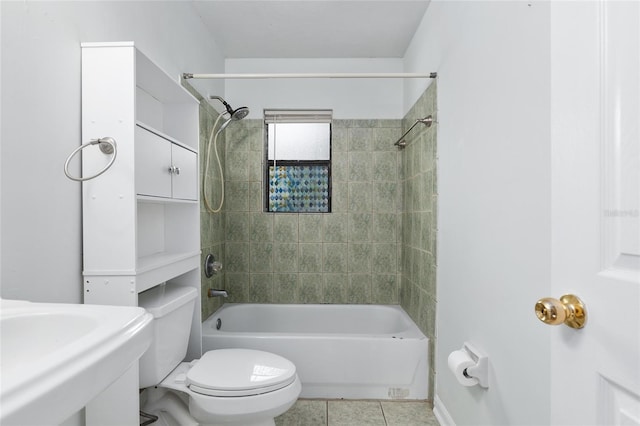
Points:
[(152, 79), (163, 200), (163, 135), (155, 261), (162, 267)]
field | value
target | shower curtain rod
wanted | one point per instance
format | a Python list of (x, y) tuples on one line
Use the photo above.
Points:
[(188, 76)]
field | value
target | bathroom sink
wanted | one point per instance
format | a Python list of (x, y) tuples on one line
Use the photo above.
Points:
[(55, 358)]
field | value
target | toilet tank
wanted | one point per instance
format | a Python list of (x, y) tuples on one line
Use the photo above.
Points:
[(172, 309)]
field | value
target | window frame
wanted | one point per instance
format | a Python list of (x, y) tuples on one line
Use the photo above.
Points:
[(296, 116)]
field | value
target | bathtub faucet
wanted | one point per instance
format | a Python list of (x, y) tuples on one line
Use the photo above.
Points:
[(217, 293)]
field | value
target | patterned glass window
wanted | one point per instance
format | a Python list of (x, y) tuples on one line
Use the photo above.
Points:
[(299, 188), (298, 171)]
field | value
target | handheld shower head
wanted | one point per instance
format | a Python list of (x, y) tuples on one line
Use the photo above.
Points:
[(239, 113), (235, 115)]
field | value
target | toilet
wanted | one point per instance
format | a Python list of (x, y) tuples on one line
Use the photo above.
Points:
[(224, 387)]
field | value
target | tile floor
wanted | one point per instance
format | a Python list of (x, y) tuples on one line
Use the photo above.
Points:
[(313, 412)]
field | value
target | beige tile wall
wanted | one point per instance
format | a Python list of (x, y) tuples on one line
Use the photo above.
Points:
[(347, 256)]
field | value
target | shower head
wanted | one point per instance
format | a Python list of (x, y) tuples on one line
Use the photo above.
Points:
[(239, 113), (235, 114)]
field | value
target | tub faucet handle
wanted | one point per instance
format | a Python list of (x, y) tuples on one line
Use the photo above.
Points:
[(211, 266), (217, 293)]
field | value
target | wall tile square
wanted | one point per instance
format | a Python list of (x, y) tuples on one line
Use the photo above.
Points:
[(360, 226), (385, 166), (310, 228), (359, 290), (261, 257), (237, 257), (236, 196), (360, 196), (385, 137), (339, 167), (336, 227), (237, 138), (360, 139), (261, 288), (237, 226), (360, 166), (384, 289), (285, 228), (285, 288), (261, 227), (335, 288), (285, 257), (334, 257), (360, 257), (237, 285), (384, 227), (385, 196), (310, 258), (237, 166), (311, 288), (384, 258), (339, 139)]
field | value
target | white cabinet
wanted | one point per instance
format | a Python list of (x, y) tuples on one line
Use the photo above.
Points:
[(141, 218), (164, 168)]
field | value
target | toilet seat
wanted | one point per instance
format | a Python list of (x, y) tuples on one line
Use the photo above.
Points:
[(239, 372)]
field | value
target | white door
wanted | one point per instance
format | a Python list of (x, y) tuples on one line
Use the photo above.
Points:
[(595, 210)]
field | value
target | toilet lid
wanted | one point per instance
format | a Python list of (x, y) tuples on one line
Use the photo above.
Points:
[(240, 372)]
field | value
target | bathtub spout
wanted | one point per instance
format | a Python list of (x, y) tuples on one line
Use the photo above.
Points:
[(217, 293)]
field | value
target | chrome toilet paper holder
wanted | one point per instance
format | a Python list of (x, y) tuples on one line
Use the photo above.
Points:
[(480, 371)]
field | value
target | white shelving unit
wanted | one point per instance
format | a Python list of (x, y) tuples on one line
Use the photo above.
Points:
[(141, 225)]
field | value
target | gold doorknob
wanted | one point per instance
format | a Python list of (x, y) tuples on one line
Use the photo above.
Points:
[(569, 310)]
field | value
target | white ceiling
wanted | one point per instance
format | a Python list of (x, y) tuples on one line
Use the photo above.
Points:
[(312, 28)]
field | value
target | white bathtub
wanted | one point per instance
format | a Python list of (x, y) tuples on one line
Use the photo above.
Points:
[(340, 351)]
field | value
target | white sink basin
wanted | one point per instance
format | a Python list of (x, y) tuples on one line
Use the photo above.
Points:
[(55, 358)]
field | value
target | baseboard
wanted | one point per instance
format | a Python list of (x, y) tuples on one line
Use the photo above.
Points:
[(441, 413)]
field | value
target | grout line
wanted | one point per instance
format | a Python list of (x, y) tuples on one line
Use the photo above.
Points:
[(383, 416), (326, 404)]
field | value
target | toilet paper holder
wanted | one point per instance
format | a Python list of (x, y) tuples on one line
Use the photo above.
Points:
[(480, 371)]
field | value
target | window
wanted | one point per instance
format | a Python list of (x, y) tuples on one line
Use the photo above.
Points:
[(298, 166)]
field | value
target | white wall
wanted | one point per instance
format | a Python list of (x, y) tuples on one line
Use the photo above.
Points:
[(492, 59), (41, 211), (349, 98)]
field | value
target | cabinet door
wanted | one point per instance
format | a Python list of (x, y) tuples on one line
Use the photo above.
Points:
[(185, 175), (153, 161)]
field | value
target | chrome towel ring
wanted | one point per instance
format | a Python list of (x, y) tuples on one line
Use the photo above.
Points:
[(107, 145)]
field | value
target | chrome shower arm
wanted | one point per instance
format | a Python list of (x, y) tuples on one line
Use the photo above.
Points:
[(426, 121)]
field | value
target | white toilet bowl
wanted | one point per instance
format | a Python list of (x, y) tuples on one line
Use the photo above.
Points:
[(224, 387), (236, 387)]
